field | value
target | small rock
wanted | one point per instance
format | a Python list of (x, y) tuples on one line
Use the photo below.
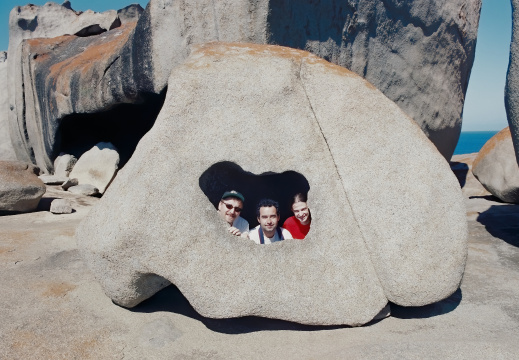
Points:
[(53, 179), (84, 189), (97, 166), (63, 164), (69, 183), (61, 206)]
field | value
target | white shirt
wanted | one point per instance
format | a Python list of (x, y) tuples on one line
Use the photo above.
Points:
[(254, 235), (241, 224)]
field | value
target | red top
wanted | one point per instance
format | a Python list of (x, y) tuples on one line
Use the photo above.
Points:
[(297, 229)]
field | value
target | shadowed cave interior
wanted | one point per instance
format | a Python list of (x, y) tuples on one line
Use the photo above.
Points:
[(123, 125), (224, 176)]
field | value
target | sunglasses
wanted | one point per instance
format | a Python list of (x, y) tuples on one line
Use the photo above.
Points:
[(229, 207)]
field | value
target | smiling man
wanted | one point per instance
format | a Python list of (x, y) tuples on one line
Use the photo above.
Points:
[(229, 208), (268, 231)]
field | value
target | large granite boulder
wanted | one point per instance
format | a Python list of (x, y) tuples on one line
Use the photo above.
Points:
[(27, 105), (496, 167), (20, 188), (97, 166), (418, 53), (512, 81), (388, 218), (6, 148)]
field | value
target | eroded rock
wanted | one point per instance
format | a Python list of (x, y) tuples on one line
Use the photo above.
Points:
[(97, 166), (6, 148), (84, 189), (20, 188), (53, 179), (496, 167), (512, 81), (69, 183), (388, 218), (64, 164)]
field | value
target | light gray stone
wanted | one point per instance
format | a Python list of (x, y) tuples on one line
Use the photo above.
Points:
[(84, 189), (6, 148), (388, 218), (496, 167), (512, 81), (63, 164), (53, 179), (61, 206), (97, 166), (20, 188), (69, 183), (41, 22)]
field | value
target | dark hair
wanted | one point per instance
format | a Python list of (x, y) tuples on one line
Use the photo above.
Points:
[(299, 197), (267, 203)]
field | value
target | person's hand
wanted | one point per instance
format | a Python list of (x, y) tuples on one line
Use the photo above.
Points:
[(234, 231)]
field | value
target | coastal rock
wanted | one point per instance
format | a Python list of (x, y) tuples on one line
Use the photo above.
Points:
[(496, 167), (53, 179), (61, 206), (419, 53), (69, 183), (97, 166), (6, 148), (395, 231), (84, 189), (27, 106), (64, 164), (512, 81), (20, 188)]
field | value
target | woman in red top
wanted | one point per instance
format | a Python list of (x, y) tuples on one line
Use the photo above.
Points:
[(299, 224)]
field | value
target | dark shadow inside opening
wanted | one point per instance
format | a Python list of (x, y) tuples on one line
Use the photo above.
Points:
[(224, 176), (123, 125)]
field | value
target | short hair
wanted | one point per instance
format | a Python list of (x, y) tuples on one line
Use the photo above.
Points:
[(299, 197), (267, 203)]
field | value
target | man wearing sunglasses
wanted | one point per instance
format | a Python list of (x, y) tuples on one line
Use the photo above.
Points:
[(229, 208)]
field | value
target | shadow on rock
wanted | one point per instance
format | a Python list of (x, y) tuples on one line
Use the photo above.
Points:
[(502, 221), (422, 312), (461, 170), (488, 197), (172, 300)]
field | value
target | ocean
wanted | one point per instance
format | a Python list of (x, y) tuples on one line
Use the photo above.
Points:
[(472, 141)]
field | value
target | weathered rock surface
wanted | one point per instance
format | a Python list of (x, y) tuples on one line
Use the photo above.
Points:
[(402, 232), (512, 81), (496, 167), (97, 166), (28, 105), (69, 183), (418, 53), (20, 188), (53, 179), (6, 148), (84, 189), (61, 206), (64, 164)]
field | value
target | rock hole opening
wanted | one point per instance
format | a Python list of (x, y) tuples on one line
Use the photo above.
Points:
[(123, 125), (281, 187)]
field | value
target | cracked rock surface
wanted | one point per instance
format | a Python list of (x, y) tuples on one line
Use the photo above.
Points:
[(388, 215)]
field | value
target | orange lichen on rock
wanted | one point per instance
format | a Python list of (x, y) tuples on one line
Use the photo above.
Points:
[(492, 143)]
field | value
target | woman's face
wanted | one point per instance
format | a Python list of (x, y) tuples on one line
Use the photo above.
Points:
[(301, 212)]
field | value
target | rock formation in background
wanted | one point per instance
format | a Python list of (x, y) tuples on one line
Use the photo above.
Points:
[(418, 53), (29, 134), (20, 188), (496, 167), (388, 217), (512, 81), (6, 148)]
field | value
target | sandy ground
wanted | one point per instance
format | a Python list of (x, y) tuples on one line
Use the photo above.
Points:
[(51, 307)]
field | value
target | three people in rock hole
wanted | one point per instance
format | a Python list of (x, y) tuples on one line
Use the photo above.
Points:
[(267, 212)]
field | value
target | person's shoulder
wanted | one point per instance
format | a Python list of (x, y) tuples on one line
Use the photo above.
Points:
[(286, 233), (254, 234), (289, 221)]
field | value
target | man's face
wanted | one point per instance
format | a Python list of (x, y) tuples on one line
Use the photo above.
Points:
[(230, 209), (301, 212), (268, 219)]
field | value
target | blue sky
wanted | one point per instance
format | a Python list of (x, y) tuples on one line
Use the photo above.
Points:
[(484, 106)]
